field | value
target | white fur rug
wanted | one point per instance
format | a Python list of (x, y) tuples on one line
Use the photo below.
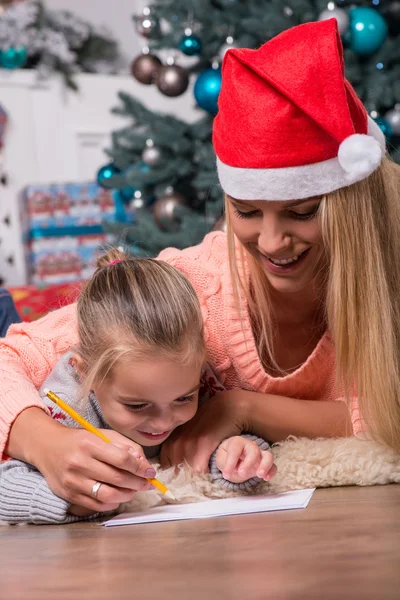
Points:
[(302, 463)]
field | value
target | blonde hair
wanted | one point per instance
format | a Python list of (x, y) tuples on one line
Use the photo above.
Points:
[(361, 232), (136, 309)]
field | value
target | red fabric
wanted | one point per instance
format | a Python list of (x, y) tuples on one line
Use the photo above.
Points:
[(287, 103), (33, 302)]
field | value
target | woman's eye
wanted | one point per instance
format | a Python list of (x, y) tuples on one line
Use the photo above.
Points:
[(185, 399), (304, 216), (136, 407), (245, 215)]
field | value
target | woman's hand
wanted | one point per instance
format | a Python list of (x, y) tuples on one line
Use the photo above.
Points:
[(82, 459), (73, 460), (240, 459), (222, 416)]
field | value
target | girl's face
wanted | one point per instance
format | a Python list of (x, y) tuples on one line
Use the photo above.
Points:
[(284, 237), (147, 400)]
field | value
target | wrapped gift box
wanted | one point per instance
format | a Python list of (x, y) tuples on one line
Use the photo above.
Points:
[(67, 205), (63, 229), (66, 258)]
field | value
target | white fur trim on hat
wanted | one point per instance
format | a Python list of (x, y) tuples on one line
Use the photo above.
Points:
[(359, 155)]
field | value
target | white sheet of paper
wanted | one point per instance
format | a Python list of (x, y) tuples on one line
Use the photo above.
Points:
[(216, 508)]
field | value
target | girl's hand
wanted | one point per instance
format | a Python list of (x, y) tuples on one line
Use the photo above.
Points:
[(240, 459), (73, 460), (222, 416)]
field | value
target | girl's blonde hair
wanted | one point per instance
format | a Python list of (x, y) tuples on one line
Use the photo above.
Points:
[(136, 309), (361, 232)]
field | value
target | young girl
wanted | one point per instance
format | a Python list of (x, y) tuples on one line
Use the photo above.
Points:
[(300, 299), (136, 370)]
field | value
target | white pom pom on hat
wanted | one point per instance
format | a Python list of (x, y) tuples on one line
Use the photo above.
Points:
[(290, 126), (359, 155)]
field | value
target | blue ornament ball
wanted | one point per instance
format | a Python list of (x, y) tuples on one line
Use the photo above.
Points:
[(105, 173), (207, 89), (368, 30), (385, 127), (13, 58), (190, 44)]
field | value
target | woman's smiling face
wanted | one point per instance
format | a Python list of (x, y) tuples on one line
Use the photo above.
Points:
[(284, 237)]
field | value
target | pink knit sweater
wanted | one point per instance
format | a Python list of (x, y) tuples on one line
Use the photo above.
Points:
[(31, 350)]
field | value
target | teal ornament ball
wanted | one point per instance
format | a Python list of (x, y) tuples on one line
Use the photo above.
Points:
[(13, 58), (367, 31), (190, 44), (385, 127), (105, 173), (207, 89)]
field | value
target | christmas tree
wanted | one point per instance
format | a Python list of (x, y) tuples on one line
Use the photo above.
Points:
[(164, 168)]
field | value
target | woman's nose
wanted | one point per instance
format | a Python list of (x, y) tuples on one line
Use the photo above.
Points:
[(273, 237)]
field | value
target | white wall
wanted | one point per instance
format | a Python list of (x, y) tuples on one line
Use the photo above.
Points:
[(116, 15)]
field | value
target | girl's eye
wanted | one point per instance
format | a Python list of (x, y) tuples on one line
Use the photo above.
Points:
[(304, 216), (136, 407), (185, 399), (245, 215)]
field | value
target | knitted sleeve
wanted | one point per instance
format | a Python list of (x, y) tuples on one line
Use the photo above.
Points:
[(25, 497), (247, 486), (27, 355)]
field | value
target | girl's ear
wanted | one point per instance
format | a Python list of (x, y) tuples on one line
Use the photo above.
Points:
[(78, 364)]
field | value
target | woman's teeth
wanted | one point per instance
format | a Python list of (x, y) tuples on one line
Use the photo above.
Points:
[(285, 261)]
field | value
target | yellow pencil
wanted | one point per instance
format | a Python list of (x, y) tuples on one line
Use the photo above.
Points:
[(79, 419)]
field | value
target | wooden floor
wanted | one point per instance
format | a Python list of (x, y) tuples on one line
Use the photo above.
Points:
[(345, 545)]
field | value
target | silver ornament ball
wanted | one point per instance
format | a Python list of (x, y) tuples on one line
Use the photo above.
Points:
[(164, 211), (393, 118), (138, 202), (341, 16), (228, 45), (152, 156), (145, 67), (172, 80), (147, 25)]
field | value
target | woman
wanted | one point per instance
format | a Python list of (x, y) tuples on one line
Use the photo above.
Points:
[(308, 311)]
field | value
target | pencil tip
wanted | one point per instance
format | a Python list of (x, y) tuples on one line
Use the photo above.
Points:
[(170, 495)]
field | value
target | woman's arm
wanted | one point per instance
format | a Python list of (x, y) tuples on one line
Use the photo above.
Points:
[(271, 417), (277, 417), (72, 460), (28, 354)]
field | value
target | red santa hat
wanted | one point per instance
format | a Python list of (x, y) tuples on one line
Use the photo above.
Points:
[(290, 126)]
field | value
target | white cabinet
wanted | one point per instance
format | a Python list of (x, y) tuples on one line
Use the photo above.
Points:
[(57, 135)]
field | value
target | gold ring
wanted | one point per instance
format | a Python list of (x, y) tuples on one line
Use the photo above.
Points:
[(95, 489)]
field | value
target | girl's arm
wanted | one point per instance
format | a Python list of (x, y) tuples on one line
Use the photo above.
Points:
[(25, 497), (242, 462), (271, 417)]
